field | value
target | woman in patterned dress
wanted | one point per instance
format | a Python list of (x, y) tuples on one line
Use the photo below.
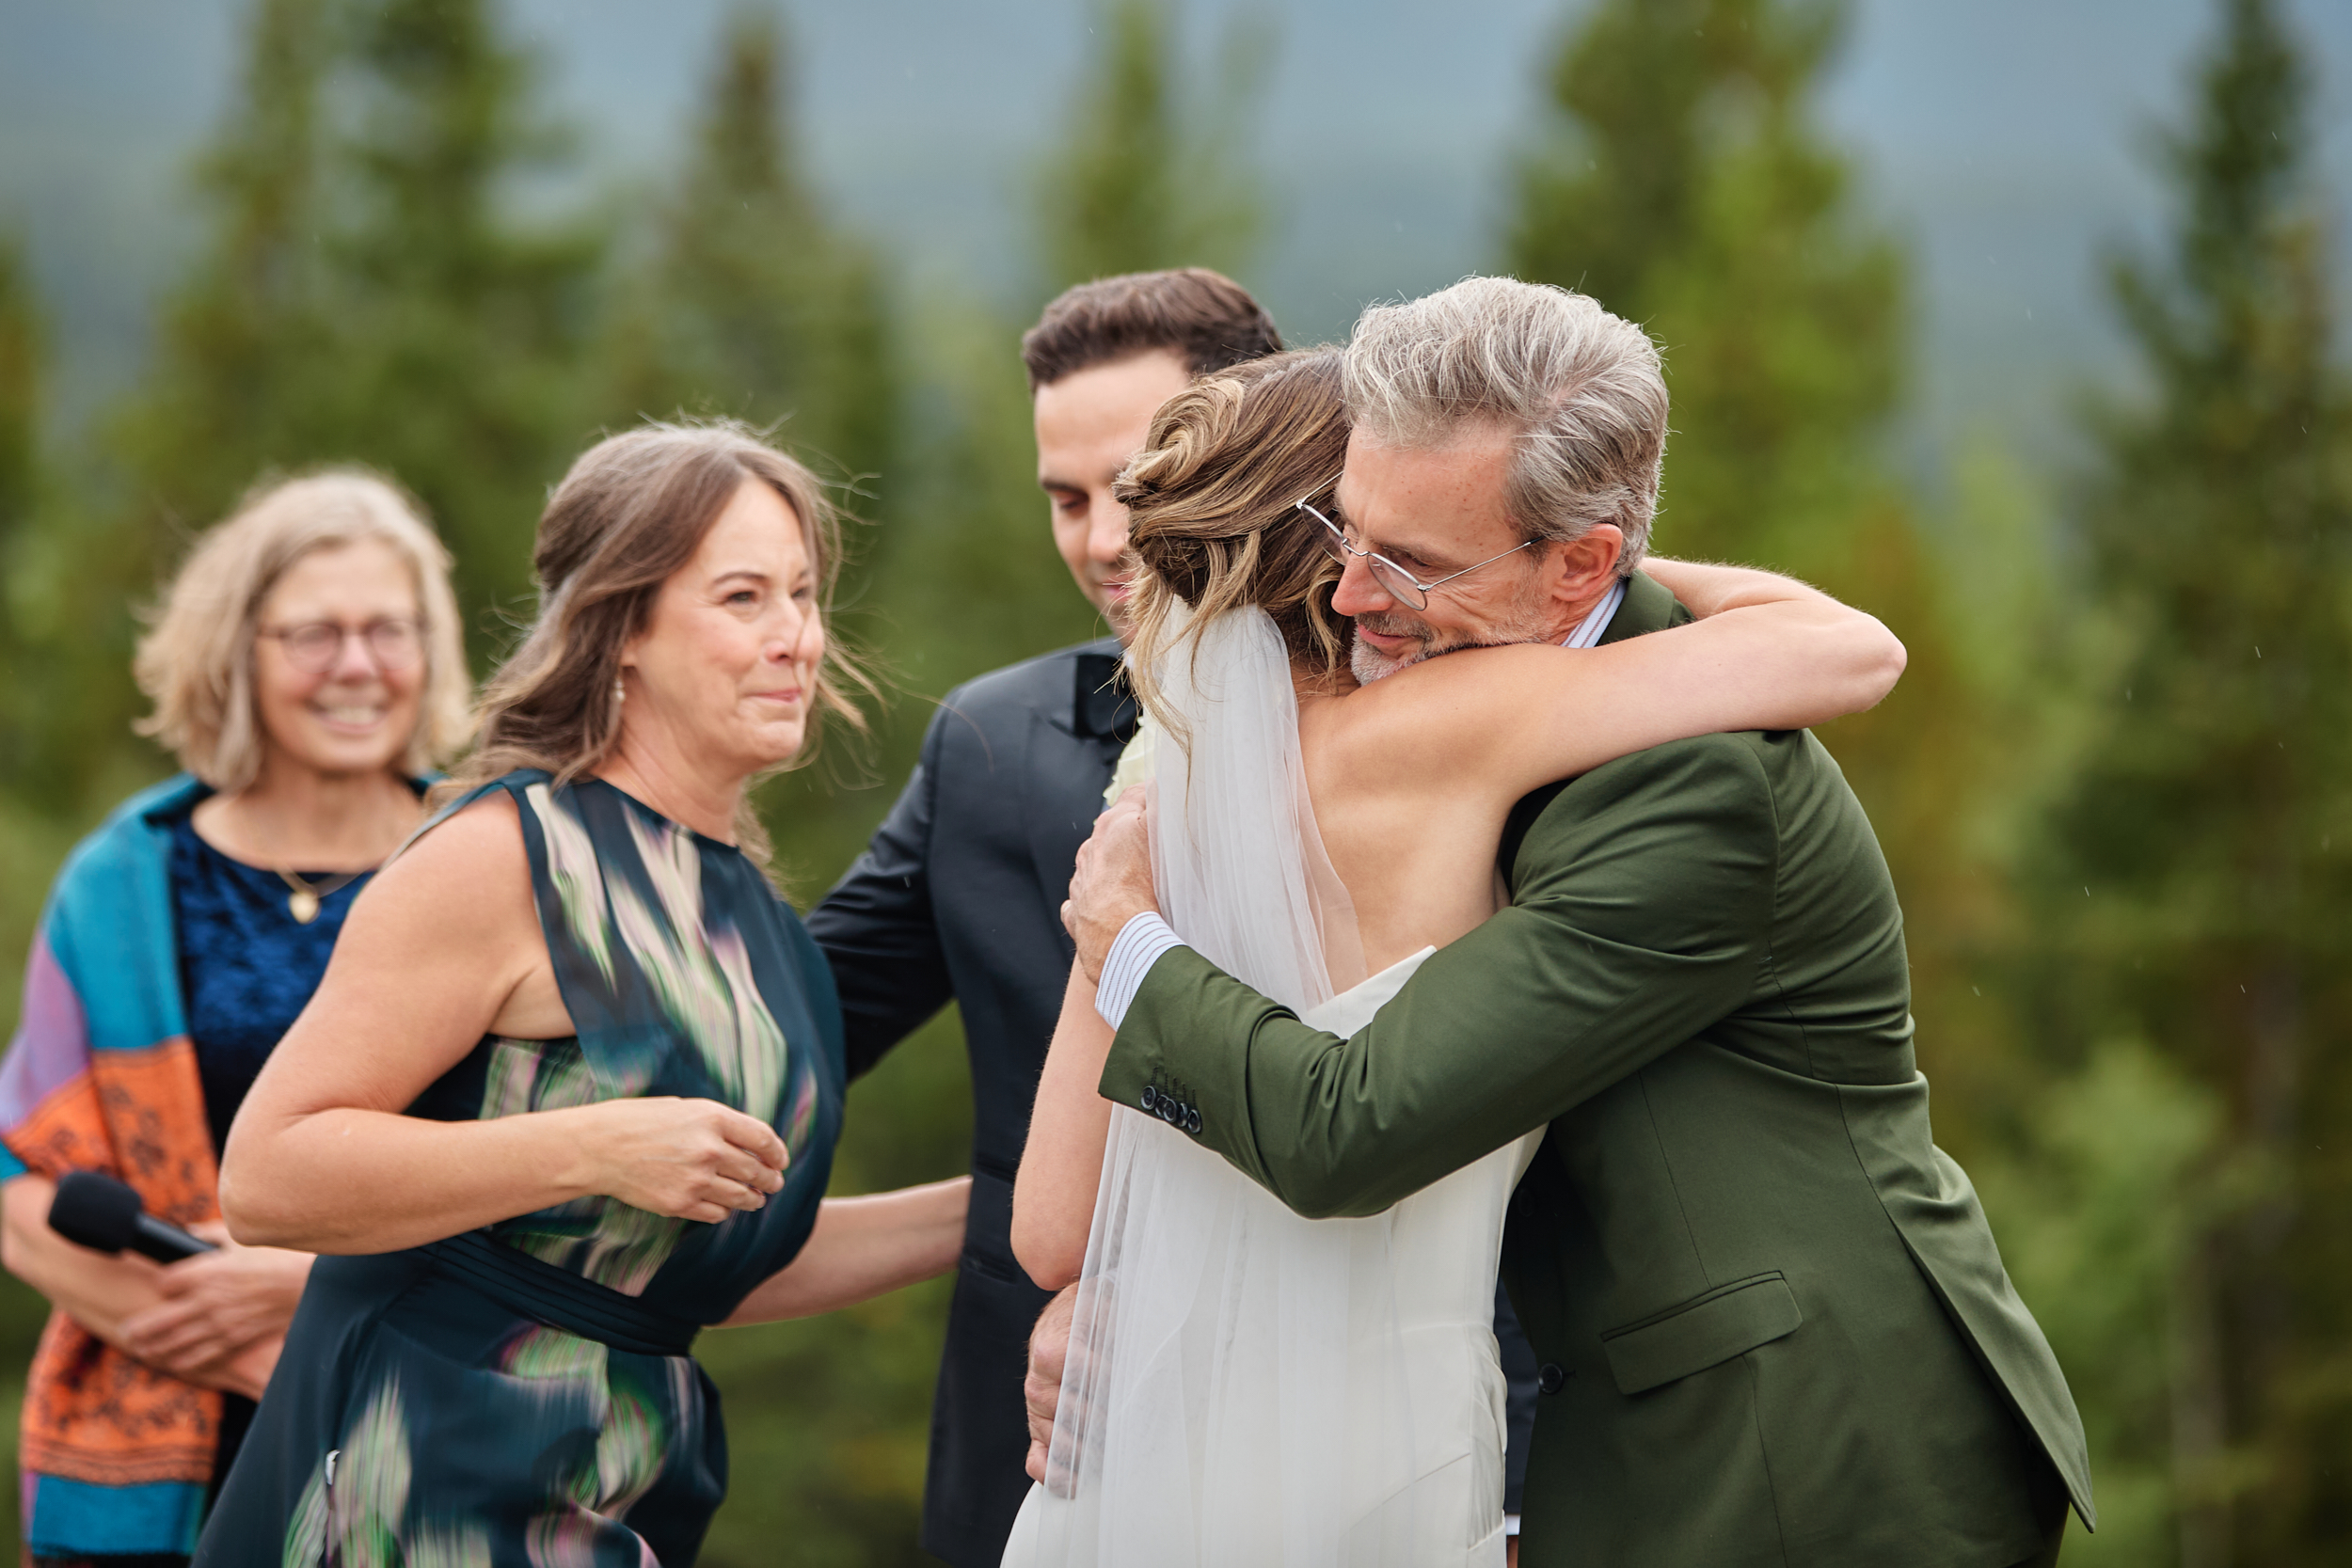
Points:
[(570, 1088)]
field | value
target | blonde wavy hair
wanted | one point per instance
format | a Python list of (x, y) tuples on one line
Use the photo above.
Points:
[(195, 663), (1212, 514), (632, 511)]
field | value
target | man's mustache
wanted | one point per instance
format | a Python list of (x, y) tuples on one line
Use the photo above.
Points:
[(1394, 625)]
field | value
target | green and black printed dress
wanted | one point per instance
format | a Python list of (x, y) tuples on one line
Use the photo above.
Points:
[(521, 1395)]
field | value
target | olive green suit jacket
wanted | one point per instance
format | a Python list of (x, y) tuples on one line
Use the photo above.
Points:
[(1774, 1324)]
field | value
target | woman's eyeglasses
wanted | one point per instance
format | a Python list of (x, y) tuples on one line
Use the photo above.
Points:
[(1394, 580), (315, 647)]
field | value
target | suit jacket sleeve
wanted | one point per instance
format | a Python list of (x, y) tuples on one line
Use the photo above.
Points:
[(877, 930), (1640, 911)]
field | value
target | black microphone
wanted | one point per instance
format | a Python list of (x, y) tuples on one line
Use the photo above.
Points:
[(106, 1215)]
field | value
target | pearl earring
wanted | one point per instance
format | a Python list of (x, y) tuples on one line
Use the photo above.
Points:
[(620, 692)]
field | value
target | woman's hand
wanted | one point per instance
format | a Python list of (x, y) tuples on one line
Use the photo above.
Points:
[(245, 1373), (688, 1159), (217, 1305)]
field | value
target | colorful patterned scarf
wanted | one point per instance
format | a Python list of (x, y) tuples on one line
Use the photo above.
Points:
[(102, 1076)]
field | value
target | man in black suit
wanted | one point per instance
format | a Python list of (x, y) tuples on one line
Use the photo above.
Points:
[(958, 895)]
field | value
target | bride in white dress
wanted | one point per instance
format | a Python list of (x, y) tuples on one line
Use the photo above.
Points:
[(1246, 1387)]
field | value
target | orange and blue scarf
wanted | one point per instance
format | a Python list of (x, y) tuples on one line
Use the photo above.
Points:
[(116, 1456)]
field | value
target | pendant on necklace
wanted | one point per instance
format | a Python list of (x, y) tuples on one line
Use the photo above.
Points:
[(303, 905)]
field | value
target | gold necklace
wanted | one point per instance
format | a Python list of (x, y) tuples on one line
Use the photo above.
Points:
[(303, 902)]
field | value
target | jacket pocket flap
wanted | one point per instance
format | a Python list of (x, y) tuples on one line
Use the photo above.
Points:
[(1728, 1320)]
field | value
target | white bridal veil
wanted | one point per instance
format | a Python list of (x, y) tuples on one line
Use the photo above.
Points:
[(1237, 1390)]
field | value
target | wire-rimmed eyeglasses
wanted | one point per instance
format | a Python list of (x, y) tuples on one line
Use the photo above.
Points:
[(315, 647), (1394, 580)]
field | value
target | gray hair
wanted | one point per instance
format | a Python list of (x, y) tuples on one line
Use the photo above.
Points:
[(1580, 392)]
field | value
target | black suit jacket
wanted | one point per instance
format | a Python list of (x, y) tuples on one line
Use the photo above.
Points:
[(959, 897)]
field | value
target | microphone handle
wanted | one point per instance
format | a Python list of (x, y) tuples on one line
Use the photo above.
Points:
[(166, 1243)]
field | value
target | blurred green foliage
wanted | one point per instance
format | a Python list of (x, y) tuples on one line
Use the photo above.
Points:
[(1144, 174), (2198, 867), (2112, 785)]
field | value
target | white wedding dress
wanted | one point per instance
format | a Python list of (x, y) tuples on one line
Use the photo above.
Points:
[(1245, 1386)]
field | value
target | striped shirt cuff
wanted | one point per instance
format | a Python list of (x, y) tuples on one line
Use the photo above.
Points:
[(1140, 943)]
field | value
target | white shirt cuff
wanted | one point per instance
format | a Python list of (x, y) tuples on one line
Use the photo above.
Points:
[(1510, 1524), (1140, 943)]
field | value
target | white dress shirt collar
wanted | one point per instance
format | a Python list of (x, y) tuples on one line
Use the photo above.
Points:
[(1588, 633)]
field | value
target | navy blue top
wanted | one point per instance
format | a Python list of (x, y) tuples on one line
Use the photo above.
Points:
[(246, 967)]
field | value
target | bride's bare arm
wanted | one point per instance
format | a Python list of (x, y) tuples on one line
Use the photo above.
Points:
[(1769, 653), (1707, 590), (1052, 1197)]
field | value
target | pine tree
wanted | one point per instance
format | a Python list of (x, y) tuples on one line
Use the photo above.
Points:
[(462, 333), (19, 398), (244, 342), (1681, 181), (2201, 863), (19, 460), (1685, 187), (1135, 186), (757, 308), (235, 389), (367, 298)]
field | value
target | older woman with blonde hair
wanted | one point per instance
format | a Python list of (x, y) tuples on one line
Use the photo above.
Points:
[(306, 668), (570, 1090)]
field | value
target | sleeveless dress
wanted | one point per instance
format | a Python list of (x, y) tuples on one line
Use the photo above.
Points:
[(1244, 1384), (521, 1395)]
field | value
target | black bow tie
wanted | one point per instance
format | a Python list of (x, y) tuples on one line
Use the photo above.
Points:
[(1104, 706)]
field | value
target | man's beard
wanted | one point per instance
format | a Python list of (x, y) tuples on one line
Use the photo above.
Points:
[(1369, 664)]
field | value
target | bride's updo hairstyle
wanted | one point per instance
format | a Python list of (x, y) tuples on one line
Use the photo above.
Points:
[(1212, 510)]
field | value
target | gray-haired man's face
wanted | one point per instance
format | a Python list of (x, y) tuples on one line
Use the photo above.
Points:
[(1436, 511)]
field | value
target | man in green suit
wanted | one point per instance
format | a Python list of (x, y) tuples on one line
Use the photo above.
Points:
[(1774, 1325)]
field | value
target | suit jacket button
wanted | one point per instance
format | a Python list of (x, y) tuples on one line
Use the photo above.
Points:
[(1192, 1119), (1551, 1377), (1150, 1098)]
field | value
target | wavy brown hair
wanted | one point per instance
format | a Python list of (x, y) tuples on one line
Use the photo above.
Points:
[(632, 511), (1211, 509)]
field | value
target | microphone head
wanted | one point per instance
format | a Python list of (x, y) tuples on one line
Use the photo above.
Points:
[(95, 1211)]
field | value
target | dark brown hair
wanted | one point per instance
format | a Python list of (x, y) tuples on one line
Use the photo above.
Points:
[(1211, 509), (632, 511), (1204, 318)]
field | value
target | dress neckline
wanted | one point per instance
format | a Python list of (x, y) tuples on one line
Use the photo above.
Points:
[(657, 813), (260, 872)]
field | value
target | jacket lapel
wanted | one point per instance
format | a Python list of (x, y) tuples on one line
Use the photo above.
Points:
[(1072, 749)]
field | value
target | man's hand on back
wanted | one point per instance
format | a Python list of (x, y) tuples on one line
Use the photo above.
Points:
[(1113, 884), (1049, 1346)]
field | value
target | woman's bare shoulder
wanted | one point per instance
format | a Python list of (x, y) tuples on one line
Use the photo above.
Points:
[(1455, 699), (486, 834), (467, 876)]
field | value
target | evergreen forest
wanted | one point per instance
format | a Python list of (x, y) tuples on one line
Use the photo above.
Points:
[(2110, 786)]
